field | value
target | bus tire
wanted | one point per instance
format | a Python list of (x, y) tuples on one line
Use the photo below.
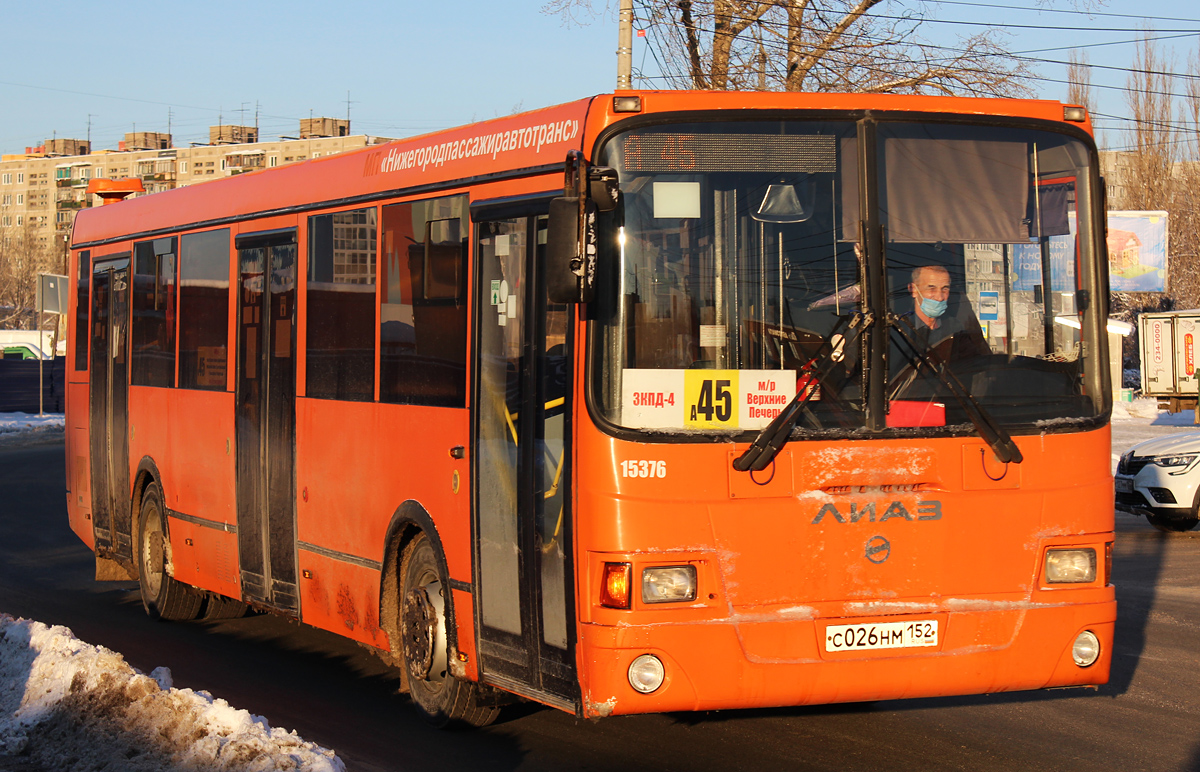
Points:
[(440, 697), (219, 607), (162, 596)]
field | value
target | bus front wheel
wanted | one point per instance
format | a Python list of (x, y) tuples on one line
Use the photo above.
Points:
[(441, 698), (162, 596)]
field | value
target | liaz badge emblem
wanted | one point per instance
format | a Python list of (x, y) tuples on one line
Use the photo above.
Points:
[(879, 549)]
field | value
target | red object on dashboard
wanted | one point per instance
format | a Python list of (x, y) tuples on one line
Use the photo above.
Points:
[(909, 413)]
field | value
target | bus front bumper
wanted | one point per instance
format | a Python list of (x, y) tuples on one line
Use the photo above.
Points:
[(756, 662)]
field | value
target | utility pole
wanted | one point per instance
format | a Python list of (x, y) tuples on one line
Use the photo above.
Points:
[(625, 45)]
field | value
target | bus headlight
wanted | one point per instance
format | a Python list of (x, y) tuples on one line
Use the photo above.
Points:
[(1070, 566), (668, 584), (1086, 649), (646, 673)]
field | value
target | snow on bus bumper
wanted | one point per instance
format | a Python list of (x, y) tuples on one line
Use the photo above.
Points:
[(711, 665)]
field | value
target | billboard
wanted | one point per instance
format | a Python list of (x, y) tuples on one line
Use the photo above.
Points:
[(1137, 251)]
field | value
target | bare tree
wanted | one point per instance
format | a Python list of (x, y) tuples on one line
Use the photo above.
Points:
[(815, 45), (1184, 279), (1079, 81), (1148, 179), (1160, 170), (22, 258)]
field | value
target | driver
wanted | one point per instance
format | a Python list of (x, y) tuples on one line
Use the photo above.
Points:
[(944, 324)]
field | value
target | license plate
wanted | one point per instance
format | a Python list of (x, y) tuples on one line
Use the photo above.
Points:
[(882, 635), (1124, 485)]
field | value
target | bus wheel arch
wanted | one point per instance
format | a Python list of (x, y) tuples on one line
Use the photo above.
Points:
[(163, 596), (147, 473), (417, 611)]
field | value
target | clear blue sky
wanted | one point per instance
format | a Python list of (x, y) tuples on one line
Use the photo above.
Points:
[(410, 67)]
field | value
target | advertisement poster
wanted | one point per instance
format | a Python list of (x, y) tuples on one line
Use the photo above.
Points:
[(1137, 251)]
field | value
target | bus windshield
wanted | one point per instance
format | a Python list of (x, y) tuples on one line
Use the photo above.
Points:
[(744, 258)]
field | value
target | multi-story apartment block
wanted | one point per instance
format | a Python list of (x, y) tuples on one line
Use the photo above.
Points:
[(43, 188)]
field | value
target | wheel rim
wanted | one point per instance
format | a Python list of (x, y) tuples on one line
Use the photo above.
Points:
[(425, 631), (152, 557)]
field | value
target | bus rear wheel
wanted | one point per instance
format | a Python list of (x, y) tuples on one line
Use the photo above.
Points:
[(162, 596), (442, 699)]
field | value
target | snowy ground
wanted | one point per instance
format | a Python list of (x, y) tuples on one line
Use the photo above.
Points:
[(68, 706), (30, 427)]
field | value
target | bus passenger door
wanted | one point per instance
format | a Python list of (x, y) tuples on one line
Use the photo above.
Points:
[(524, 600), (112, 518), (266, 417)]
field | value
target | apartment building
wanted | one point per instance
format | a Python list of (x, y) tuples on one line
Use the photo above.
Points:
[(42, 189)]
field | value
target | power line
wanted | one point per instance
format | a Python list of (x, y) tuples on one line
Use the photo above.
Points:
[(1037, 9), (781, 47), (1008, 25)]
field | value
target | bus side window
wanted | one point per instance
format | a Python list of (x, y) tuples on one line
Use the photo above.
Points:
[(82, 308), (423, 312), (204, 310), (153, 324), (341, 305)]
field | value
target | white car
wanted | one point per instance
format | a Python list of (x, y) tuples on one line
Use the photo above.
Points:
[(1160, 480)]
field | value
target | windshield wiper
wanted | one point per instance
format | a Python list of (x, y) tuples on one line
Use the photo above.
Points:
[(992, 433), (774, 435)]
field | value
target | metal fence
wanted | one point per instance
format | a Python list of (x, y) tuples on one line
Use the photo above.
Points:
[(19, 385)]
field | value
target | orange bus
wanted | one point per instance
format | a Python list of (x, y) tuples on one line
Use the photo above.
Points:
[(653, 401)]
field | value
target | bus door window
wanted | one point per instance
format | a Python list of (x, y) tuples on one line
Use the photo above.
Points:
[(522, 462), (502, 250), (109, 387), (266, 418), (553, 381)]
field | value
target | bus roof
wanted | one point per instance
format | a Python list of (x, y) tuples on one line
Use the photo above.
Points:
[(518, 145)]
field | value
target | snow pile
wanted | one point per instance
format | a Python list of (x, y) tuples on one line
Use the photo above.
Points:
[(68, 705), (28, 425), (1145, 409)]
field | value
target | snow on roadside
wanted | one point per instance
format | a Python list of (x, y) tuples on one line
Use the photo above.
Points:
[(19, 427), (1145, 409), (68, 705)]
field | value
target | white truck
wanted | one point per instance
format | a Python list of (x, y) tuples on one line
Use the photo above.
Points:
[(1169, 342)]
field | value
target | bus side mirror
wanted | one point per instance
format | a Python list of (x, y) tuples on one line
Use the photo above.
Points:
[(574, 231), (570, 273)]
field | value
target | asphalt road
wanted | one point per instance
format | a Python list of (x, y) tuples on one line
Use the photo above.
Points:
[(335, 693)]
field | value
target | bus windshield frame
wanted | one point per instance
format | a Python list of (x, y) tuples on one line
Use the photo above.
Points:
[(865, 265)]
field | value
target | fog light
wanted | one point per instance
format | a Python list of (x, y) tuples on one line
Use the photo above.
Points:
[(646, 673), (1085, 651), (668, 584), (1071, 566), (1162, 495)]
